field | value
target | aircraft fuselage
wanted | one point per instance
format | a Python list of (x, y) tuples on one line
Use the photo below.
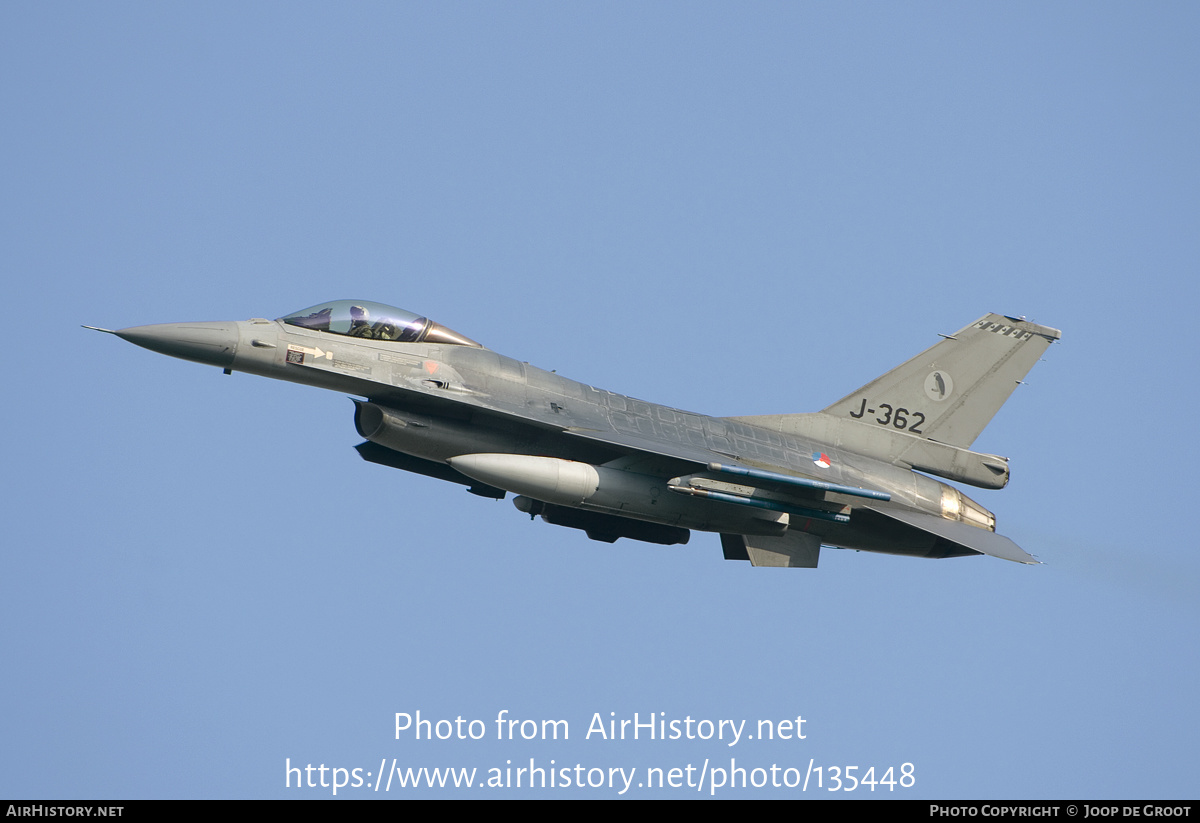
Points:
[(590, 458)]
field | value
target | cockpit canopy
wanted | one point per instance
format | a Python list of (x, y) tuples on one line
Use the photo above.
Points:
[(375, 321)]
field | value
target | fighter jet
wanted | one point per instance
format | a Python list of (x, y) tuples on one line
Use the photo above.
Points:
[(776, 488)]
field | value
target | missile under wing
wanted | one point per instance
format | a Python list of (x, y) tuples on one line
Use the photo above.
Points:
[(776, 488)]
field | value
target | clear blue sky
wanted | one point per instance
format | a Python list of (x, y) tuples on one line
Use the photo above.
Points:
[(733, 209)]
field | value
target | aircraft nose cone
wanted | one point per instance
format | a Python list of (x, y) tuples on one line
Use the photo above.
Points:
[(211, 343)]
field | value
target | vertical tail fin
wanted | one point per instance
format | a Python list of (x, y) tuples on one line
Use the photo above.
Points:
[(951, 391)]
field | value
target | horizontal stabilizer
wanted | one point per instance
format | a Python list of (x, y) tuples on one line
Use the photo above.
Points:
[(960, 534)]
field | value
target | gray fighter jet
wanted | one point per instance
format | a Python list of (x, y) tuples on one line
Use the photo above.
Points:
[(775, 487)]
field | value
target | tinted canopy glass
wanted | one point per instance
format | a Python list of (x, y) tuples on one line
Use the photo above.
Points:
[(374, 321)]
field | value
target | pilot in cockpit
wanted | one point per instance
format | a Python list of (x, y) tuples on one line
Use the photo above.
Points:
[(360, 322)]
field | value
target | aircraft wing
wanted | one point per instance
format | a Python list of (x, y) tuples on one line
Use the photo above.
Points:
[(635, 444), (961, 534), (780, 487), (703, 458), (735, 483)]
